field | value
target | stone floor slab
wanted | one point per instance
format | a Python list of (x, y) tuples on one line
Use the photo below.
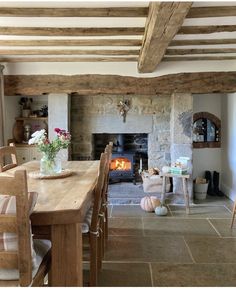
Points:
[(223, 226), (131, 211), (125, 275), (212, 250), (147, 249), (200, 211), (194, 275), (177, 227), (125, 226)]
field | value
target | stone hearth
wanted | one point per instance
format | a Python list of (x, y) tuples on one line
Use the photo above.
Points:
[(166, 119)]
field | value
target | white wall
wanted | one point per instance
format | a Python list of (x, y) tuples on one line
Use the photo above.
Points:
[(117, 68), (12, 110), (229, 145), (207, 158), (59, 117)]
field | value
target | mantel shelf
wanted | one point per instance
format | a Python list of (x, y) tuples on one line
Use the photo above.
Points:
[(32, 118), (22, 145)]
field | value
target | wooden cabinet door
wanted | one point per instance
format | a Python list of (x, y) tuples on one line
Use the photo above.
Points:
[(35, 154), (23, 155)]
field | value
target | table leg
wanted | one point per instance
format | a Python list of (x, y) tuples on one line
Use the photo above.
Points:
[(67, 255), (186, 196), (163, 193)]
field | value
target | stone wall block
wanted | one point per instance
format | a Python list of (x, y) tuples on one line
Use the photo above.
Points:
[(81, 100), (181, 118)]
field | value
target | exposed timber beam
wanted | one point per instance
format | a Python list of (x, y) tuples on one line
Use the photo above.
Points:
[(201, 42), (198, 82), (74, 12), (200, 58), (199, 51), (67, 59), (68, 52), (213, 11), (163, 22), (70, 42), (206, 29), (51, 31)]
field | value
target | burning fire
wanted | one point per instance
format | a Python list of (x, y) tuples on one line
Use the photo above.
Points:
[(120, 164)]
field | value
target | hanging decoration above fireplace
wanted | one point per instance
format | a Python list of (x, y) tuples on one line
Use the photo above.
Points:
[(124, 107)]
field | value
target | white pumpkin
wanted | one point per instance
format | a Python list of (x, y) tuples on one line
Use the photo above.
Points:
[(165, 169), (161, 210), (149, 203)]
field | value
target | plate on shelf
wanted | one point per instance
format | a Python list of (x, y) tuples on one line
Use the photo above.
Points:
[(63, 174)]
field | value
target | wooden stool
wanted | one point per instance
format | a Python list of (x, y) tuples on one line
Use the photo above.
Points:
[(185, 190)]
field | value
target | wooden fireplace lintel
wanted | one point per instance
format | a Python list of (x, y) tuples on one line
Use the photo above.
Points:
[(93, 84)]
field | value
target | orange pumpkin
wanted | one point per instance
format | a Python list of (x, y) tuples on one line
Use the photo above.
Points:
[(149, 203)]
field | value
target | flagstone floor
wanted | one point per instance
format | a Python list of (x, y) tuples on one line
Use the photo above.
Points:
[(176, 250)]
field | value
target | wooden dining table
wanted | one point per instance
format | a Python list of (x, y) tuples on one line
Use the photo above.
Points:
[(61, 206)]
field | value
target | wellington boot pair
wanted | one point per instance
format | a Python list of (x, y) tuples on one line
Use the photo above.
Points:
[(213, 190)]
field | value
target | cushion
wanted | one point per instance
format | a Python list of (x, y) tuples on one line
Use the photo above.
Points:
[(9, 241), (41, 247), (87, 221)]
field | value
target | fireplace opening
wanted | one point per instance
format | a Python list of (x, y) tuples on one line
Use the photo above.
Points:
[(129, 156), (120, 164)]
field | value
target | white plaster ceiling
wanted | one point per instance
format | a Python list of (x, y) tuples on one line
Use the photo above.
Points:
[(108, 22)]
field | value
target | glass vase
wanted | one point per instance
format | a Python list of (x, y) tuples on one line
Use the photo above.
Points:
[(50, 165)]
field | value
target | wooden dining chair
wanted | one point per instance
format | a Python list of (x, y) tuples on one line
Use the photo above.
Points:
[(8, 157), (108, 150), (23, 262), (91, 227), (233, 214)]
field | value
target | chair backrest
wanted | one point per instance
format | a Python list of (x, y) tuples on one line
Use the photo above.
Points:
[(109, 147), (98, 193), (6, 153), (15, 190), (108, 150)]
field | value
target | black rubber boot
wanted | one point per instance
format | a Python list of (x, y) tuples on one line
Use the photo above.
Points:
[(208, 178), (216, 181)]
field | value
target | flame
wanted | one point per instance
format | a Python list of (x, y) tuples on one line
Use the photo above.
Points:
[(120, 164)]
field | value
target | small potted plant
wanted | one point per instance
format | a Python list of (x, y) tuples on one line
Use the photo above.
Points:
[(25, 103)]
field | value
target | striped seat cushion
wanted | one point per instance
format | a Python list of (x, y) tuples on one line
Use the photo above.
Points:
[(87, 221), (9, 241), (41, 247)]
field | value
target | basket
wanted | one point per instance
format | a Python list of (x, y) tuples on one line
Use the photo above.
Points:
[(153, 184), (200, 191)]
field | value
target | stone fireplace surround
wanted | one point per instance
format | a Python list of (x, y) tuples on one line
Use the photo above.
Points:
[(167, 119)]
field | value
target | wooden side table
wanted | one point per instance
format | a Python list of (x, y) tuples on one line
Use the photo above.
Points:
[(185, 190)]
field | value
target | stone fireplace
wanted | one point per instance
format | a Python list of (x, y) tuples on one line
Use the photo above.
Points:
[(165, 119), (149, 114)]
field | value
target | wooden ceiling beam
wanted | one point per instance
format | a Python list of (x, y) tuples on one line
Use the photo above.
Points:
[(199, 51), (81, 31), (206, 29), (69, 42), (67, 52), (201, 42), (213, 11), (74, 12), (93, 84), (163, 22), (67, 59), (200, 58)]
